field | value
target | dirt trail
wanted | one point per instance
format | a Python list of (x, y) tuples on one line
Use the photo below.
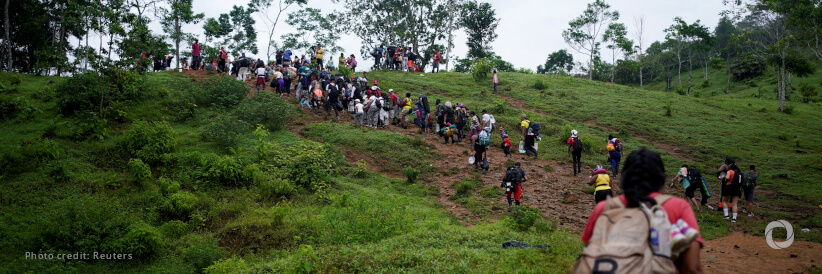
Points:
[(744, 253), (559, 195)]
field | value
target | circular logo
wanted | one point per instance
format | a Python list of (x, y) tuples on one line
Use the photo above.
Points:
[(769, 234)]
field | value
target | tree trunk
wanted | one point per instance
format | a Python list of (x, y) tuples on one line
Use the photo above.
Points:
[(679, 73), (782, 85), (690, 70), (591, 66), (450, 35), (640, 77), (613, 62), (7, 39), (86, 50), (179, 35)]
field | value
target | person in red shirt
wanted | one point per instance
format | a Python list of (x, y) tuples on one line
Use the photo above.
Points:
[(643, 178), (395, 107), (437, 58), (506, 145), (576, 152), (195, 55)]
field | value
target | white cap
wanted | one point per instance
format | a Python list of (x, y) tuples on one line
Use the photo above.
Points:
[(391, 90), (357, 100)]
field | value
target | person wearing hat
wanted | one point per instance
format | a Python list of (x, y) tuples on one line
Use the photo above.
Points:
[(602, 184), (575, 151), (529, 140), (223, 57), (358, 111), (195, 55), (372, 115), (506, 145), (406, 109)]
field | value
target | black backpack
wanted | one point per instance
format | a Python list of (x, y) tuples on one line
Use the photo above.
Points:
[(425, 105), (513, 175), (533, 129), (738, 178), (693, 175), (378, 102), (577, 143)]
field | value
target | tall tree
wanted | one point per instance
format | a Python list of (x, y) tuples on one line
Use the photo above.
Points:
[(584, 32), (559, 60), (236, 28), (173, 18), (266, 9), (688, 37), (725, 43), (618, 43), (6, 39), (639, 31), (419, 24), (777, 42), (480, 23), (313, 28)]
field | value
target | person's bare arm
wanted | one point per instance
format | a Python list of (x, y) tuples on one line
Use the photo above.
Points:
[(592, 180), (689, 260), (674, 181)]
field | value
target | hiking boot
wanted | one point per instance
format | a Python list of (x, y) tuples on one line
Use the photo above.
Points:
[(726, 218), (733, 221), (750, 214)]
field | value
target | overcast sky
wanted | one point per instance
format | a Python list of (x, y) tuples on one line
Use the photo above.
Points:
[(528, 30)]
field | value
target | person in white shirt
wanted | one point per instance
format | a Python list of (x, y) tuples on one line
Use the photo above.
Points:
[(373, 112), (260, 78), (358, 111), (486, 121)]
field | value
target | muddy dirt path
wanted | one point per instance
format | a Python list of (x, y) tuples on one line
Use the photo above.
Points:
[(560, 196)]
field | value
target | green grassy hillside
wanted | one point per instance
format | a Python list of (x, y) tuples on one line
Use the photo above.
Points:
[(179, 178), (178, 175)]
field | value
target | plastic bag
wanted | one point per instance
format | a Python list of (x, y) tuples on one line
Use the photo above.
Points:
[(536, 146), (521, 147)]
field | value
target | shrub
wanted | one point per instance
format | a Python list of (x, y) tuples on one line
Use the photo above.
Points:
[(228, 266), (680, 91), (180, 205), (807, 91), (214, 170), (464, 187), (265, 109), (306, 164), (346, 72), (706, 84), (411, 174), (539, 85), (275, 188), (499, 107), (491, 192), (149, 141), (525, 71), (716, 63), (9, 108), (364, 221), (202, 252), (224, 131), (174, 228), (140, 171), (28, 155), (222, 92), (361, 171), (142, 241), (82, 224), (15, 80), (480, 69), (789, 109), (523, 218), (82, 93), (669, 109), (168, 186)]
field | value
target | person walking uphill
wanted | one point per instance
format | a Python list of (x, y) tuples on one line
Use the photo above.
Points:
[(731, 191), (575, 149), (333, 100), (512, 183), (602, 184), (614, 148), (529, 136), (495, 80), (260, 78), (618, 237)]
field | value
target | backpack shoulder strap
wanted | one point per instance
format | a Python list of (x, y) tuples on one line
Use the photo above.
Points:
[(613, 203), (662, 198)]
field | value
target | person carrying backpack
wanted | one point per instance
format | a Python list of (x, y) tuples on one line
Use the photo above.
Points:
[(602, 184), (751, 180), (448, 131), (333, 101), (260, 78), (721, 175), (359, 112), (462, 118), (395, 103), (575, 149), (474, 125), (373, 110), (731, 191), (478, 150), (689, 178), (631, 234), (437, 58), (385, 108), (512, 183), (614, 148), (243, 72), (530, 132), (405, 103)]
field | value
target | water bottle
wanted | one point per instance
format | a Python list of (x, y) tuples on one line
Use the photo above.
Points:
[(661, 234)]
